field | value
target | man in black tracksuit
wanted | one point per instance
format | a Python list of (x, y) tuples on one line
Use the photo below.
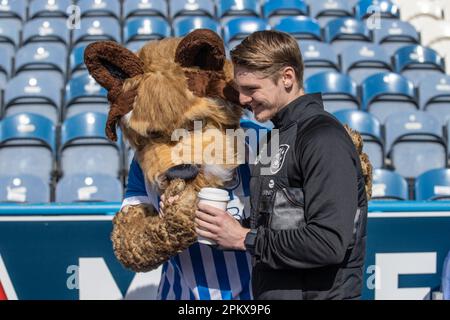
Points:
[(308, 200)]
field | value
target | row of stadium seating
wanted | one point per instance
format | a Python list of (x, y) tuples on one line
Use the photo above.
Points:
[(173, 8), (85, 166)]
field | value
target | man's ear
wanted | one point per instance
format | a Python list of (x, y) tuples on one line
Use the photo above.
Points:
[(202, 48), (110, 64)]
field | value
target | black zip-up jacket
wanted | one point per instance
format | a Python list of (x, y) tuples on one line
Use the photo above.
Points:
[(309, 206)]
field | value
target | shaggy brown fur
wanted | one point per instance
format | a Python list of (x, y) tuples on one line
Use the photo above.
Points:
[(366, 166)]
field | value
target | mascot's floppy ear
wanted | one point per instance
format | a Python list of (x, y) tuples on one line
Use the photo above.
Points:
[(110, 64), (202, 54)]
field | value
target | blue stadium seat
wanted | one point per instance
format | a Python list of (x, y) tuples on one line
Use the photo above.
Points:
[(145, 8), (326, 10), (99, 8), (389, 185), (5, 65), (10, 33), (84, 94), (27, 146), (385, 8), (338, 90), (88, 188), (274, 8), (230, 8), (415, 143), (23, 189), (13, 9), (300, 27), (418, 63), (395, 34), (386, 93), (343, 32), (96, 29), (46, 29), (236, 29), (42, 58), (192, 7), (184, 25), (150, 28), (318, 57), (434, 95), (363, 60), (85, 148), (48, 8), (36, 93), (370, 129), (433, 185), (76, 60)]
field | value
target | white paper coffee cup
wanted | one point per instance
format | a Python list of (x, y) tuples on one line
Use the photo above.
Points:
[(214, 197)]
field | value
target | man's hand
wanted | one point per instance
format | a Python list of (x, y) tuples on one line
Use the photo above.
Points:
[(221, 227)]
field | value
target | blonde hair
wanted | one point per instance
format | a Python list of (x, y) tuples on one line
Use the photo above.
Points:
[(269, 52)]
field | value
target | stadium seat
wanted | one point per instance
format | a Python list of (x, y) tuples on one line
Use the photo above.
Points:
[(145, 29), (84, 94), (40, 58), (192, 8), (5, 65), (421, 12), (436, 35), (343, 32), (433, 185), (184, 25), (46, 30), (10, 33), (389, 185), (394, 34), (386, 93), (338, 90), (135, 46), (231, 8), (145, 8), (417, 63), (300, 27), (48, 8), (434, 93), (363, 60), (88, 188), (415, 143), (99, 8), (236, 29), (27, 146), (85, 148), (318, 57), (385, 8), (38, 93), (13, 9), (326, 10), (23, 189), (370, 129), (96, 29), (274, 8)]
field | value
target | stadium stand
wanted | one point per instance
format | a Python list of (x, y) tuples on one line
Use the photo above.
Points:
[(433, 185), (318, 57), (326, 10), (388, 185)]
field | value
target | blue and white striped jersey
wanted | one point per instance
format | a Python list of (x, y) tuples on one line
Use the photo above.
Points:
[(201, 272)]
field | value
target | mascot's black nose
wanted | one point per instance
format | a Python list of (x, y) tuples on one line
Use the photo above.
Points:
[(182, 171)]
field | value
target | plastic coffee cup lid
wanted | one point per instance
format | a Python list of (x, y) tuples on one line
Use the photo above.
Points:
[(214, 194)]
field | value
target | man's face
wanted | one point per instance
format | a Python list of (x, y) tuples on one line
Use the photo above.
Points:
[(264, 97)]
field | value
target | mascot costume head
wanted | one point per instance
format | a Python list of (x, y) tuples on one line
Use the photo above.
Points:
[(169, 85)]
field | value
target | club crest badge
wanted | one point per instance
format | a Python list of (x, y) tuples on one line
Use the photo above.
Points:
[(278, 159)]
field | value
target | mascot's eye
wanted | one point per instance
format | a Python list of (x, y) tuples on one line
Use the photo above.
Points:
[(155, 134)]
